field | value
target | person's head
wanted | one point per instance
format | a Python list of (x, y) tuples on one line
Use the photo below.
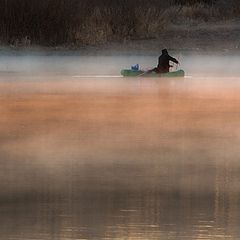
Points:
[(164, 51)]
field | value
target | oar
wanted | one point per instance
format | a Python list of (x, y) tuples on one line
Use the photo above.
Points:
[(142, 74), (178, 64)]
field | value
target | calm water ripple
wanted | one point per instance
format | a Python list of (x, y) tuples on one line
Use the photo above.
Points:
[(118, 159)]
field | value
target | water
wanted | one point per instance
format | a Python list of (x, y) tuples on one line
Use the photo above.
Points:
[(113, 158)]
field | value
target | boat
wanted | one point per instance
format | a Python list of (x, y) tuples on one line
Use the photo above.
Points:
[(141, 73)]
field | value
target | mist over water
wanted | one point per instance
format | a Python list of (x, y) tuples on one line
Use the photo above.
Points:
[(202, 64), (119, 158)]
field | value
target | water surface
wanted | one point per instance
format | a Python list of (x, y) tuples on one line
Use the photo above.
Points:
[(115, 158)]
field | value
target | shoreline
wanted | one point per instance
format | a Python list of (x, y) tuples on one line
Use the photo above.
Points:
[(219, 37)]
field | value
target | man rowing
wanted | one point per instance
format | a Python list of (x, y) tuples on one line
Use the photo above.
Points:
[(163, 63)]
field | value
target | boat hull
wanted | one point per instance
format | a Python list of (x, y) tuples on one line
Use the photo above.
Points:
[(140, 73)]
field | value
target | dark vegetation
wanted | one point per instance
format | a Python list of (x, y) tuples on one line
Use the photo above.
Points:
[(79, 22)]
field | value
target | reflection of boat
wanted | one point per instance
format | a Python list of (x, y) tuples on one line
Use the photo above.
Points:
[(140, 73)]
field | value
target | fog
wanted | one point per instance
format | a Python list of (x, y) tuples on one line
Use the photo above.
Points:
[(194, 63), (101, 157)]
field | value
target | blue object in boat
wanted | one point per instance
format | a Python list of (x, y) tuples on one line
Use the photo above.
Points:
[(135, 67)]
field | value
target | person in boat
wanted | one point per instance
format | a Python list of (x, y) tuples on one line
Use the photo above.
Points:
[(163, 62)]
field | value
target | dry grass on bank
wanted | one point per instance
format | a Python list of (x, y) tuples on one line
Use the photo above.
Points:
[(78, 22)]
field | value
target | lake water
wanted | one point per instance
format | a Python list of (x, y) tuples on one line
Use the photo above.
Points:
[(111, 158)]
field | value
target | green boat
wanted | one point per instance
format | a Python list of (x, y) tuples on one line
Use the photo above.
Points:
[(140, 73)]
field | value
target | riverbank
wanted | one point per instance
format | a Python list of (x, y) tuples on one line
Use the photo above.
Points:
[(218, 37)]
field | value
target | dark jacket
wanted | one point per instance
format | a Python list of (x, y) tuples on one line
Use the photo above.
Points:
[(163, 62)]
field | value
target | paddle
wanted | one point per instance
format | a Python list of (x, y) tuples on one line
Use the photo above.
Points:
[(142, 74)]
